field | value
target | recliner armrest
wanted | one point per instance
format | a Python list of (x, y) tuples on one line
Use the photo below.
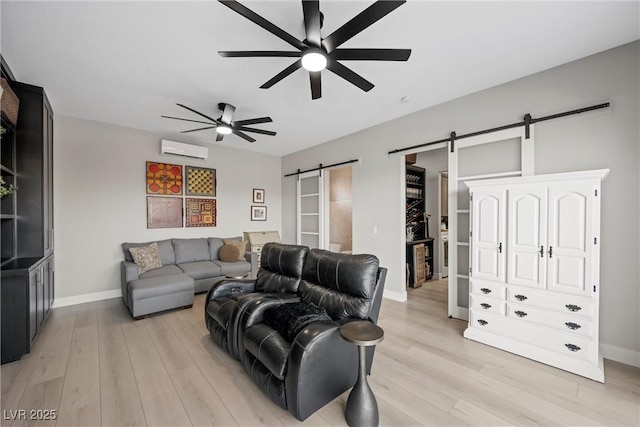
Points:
[(229, 288), (319, 359)]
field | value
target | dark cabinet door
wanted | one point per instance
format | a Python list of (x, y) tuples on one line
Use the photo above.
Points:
[(33, 304)]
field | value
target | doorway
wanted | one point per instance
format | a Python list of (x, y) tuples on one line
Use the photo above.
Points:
[(430, 288)]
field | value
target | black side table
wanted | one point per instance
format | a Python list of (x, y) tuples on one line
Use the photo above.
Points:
[(362, 408)]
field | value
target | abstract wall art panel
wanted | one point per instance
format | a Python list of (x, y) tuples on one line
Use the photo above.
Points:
[(201, 212), (164, 212), (200, 181), (164, 179)]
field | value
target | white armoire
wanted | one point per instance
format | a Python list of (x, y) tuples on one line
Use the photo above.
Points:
[(535, 268)]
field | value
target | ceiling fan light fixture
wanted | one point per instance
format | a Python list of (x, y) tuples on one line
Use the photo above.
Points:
[(314, 59), (223, 129)]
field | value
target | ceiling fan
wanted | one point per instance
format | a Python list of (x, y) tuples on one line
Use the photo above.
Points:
[(224, 125), (316, 53)]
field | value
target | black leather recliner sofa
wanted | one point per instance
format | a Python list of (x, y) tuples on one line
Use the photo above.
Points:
[(279, 276), (303, 369)]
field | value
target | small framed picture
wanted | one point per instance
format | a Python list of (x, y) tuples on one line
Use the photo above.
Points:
[(258, 195), (258, 213)]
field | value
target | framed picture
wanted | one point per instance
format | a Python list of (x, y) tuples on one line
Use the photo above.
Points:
[(258, 195), (200, 212), (258, 213), (164, 212), (164, 179), (200, 181)]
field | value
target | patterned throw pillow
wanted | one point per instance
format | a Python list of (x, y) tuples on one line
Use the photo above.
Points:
[(146, 257), (241, 245)]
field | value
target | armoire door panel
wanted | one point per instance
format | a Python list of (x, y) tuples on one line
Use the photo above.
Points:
[(570, 238), (487, 235), (527, 223)]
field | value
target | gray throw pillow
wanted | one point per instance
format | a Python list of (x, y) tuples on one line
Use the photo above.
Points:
[(146, 257)]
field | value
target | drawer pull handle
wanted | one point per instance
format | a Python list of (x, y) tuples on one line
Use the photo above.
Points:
[(541, 251), (520, 297), (572, 326), (485, 290), (485, 305), (520, 313), (572, 307), (482, 322), (572, 347)]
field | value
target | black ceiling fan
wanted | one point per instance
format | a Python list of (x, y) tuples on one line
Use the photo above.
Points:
[(316, 53), (225, 124)]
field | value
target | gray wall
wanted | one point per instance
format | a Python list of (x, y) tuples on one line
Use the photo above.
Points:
[(604, 139), (100, 200)]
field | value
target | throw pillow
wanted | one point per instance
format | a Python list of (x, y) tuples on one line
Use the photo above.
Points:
[(146, 257), (241, 245), (290, 319), (229, 253)]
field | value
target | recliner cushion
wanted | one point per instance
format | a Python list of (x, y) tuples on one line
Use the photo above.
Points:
[(280, 267), (342, 284), (289, 319)]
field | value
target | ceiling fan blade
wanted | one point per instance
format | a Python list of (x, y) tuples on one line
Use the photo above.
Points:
[(198, 113), (262, 131), (371, 54), (186, 120), (259, 20), (257, 53), (195, 130), (282, 74), (243, 135), (219, 137), (350, 75), (252, 121), (364, 19), (316, 84), (227, 113), (311, 12)]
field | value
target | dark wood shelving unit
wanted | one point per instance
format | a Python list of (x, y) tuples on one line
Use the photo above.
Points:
[(419, 254), (27, 268)]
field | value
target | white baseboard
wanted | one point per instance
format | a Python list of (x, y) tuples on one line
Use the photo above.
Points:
[(619, 354), (396, 296), (81, 299)]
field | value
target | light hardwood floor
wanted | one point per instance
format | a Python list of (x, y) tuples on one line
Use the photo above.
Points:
[(96, 366)]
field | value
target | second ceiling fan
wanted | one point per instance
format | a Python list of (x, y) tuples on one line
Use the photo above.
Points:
[(316, 53)]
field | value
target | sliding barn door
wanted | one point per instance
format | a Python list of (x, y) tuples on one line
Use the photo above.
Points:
[(310, 210), (492, 155)]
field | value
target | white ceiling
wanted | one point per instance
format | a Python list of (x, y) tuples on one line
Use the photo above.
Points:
[(128, 63)]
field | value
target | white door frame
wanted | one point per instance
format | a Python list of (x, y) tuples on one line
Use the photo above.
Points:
[(320, 211)]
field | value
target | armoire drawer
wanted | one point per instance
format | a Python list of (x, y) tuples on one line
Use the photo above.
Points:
[(488, 289), (491, 305), (561, 322), (554, 301), (563, 344)]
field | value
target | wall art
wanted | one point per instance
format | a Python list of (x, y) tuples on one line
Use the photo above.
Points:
[(200, 181), (258, 213), (258, 195), (200, 212), (164, 179), (164, 212)]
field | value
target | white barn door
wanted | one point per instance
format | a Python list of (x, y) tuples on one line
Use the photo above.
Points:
[(497, 154), (310, 210)]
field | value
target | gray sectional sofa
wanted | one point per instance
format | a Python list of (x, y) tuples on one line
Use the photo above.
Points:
[(188, 266)]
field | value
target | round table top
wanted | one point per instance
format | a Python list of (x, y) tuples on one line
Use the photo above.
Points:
[(362, 332), (236, 275)]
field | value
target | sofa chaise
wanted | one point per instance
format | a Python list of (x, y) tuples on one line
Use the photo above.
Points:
[(188, 266)]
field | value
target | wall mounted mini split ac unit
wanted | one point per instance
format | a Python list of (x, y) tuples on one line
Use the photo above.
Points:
[(183, 150)]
